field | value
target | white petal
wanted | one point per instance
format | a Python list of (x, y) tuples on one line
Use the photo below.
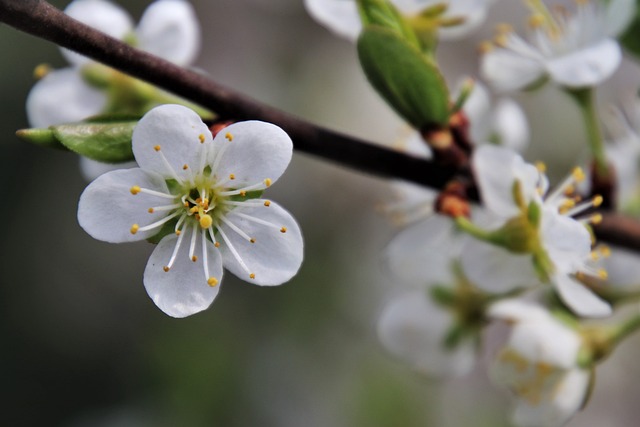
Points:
[(620, 13), (257, 151), (339, 16), (495, 269), (107, 209), (587, 67), (62, 88), (478, 110), (183, 290), (510, 124), (566, 241), (101, 15), (507, 71), (275, 257), (92, 169), (517, 310), (579, 298), (178, 131), (422, 254), (546, 340), (170, 30), (413, 329), (555, 411)]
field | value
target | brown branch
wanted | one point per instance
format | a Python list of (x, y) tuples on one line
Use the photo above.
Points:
[(39, 18)]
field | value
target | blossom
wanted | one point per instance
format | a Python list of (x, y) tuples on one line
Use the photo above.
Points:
[(203, 192), (535, 236), (575, 51), (540, 365), (341, 16), (414, 328)]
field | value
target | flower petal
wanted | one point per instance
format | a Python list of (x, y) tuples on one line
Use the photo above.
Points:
[(339, 16), (180, 135), (170, 30), (495, 269), (414, 329), (586, 67), (62, 87), (275, 257), (517, 310), (422, 254), (102, 15), (254, 152), (478, 111), (510, 125), (566, 241), (620, 13), (183, 290), (507, 71), (108, 209), (579, 298)]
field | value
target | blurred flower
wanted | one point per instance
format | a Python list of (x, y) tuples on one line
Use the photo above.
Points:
[(460, 18), (536, 237), (575, 51), (540, 365), (414, 328), (193, 187), (168, 29)]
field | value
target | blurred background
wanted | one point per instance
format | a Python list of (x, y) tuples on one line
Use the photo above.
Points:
[(83, 345)]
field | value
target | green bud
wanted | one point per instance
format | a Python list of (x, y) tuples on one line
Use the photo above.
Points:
[(41, 137), (517, 235), (410, 83), (381, 13), (104, 142), (534, 214)]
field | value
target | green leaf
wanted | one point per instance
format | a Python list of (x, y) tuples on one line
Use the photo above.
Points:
[(410, 83), (630, 39), (41, 137), (382, 13), (104, 142)]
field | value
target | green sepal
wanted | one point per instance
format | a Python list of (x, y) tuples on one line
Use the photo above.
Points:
[(409, 82), (41, 137), (630, 39), (104, 142), (443, 295), (381, 13)]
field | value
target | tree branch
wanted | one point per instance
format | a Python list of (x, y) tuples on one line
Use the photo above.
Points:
[(39, 18)]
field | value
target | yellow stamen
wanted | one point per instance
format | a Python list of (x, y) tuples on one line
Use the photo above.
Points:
[(578, 174), (216, 244), (602, 273), (201, 138), (501, 40), (243, 193), (150, 210), (194, 258), (596, 219), (252, 276), (178, 232), (212, 281), (134, 228), (232, 176), (166, 269), (135, 190), (267, 182), (486, 47), (267, 203), (537, 20), (605, 251), (503, 28), (597, 201), (283, 230), (157, 148), (41, 71), (542, 168), (185, 167), (206, 221), (229, 136), (252, 240)]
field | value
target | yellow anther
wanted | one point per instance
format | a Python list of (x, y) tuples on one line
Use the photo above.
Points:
[(267, 182), (267, 203), (135, 190), (232, 176), (194, 258), (486, 46), (605, 251), (596, 219), (186, 204), (501, 40), (134, 228), (537, 20), (283, 230), (201, 138), (178, 232), (185, 167), (229, 136), (166, 269), (570, 189), (216, 244), (157, 148), (243, 193), (503, 28), (602, 273), (541, 166), (578, 174), (151, 210), (41, 71), (252, 276), (567, 204), (212, 281), (597, 201), (594, 255), (252, 240), (206, 221)]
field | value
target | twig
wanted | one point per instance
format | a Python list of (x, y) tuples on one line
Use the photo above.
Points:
[(39, 18)]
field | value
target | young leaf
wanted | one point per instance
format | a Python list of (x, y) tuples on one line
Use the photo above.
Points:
[(105, 142), (410, 83), (381, 13)]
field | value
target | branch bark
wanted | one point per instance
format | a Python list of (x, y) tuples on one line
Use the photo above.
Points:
[(40, 19)]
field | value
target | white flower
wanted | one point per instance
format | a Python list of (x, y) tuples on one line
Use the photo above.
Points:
[(414, 328), (540, 365), (202, 188), (168, 29), (552, 244), (574, 51), (341, 16)]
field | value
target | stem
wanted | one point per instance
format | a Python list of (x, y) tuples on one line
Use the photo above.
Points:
[(39, 18), (625, 329), (585, 99), (470, 228)]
